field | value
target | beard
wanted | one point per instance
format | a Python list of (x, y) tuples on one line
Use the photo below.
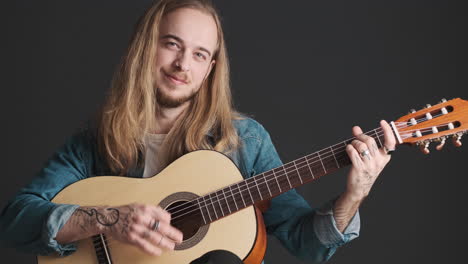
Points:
[(165, 100)]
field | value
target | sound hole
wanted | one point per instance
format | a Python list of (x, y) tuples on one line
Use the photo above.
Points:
[(186, 217)]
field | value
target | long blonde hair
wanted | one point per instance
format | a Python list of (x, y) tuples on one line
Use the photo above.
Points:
[(130, 108)]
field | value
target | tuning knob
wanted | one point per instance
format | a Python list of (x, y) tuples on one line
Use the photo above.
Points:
[(412, 111), (424, 147), (456, 140), (428, 106), (441, 143), (443, 100)]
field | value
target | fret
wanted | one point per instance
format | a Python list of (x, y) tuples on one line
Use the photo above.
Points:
[(285, 175), (101, 248), (103, 239), (333, 153), (377, 136), (318, 153), (344, 157), (250, 193), (219, 199), (276, 178), (298, 173), (266, 183), (225, 198), (207, 208), (258, 188), (310, 169), (213, 205), (289, 169), (234, 198), (201, 211), (271, 183), (242, 195)]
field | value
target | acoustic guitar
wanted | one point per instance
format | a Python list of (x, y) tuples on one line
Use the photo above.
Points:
[(215, 207)]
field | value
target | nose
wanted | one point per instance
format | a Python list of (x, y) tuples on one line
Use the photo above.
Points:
[(182, 62)]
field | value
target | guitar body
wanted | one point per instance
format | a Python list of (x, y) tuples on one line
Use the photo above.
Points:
[(196, 173)]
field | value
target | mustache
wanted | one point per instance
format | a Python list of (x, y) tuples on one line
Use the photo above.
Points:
[(178, 76)]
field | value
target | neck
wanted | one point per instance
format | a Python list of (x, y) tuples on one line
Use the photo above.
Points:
[(271, 183), (166, 117)]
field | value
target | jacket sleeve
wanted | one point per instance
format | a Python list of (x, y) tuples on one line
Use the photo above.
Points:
[(310, 234), (30, 221)]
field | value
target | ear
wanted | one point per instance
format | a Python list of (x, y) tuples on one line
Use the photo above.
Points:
[(212, 63)]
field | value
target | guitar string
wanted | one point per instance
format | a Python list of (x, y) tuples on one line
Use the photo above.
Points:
[(258, 184), (239, 188), (399, 125)]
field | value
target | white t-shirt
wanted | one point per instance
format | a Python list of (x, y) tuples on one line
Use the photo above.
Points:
[(155, 153)]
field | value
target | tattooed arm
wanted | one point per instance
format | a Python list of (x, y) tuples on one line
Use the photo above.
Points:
[(130, 223)]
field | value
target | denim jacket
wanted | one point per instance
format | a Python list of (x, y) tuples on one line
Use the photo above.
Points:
[(30, 221)]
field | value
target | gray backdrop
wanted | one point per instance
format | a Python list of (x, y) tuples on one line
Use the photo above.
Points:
[(307, 70)]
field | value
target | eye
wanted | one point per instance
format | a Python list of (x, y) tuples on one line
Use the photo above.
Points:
[(200, 56), (172, 44)]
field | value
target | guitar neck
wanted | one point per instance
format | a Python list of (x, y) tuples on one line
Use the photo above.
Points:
[(274, 182)]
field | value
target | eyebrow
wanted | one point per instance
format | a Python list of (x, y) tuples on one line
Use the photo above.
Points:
[(167, 36)]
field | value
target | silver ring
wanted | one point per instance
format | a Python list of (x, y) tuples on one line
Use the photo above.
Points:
[(388, 151), (162, 237), (155, 226), (365, 153)]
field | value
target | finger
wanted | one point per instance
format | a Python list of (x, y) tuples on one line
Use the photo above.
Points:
[(354, 156), (170, 232), (370, 142), (357, 131), (359, 146), (155, 238), (164, 242), (389, 138), (144, 244), (148, 214), (161, 214)]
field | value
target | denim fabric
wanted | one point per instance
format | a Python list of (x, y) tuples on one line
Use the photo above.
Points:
[(30, 221)]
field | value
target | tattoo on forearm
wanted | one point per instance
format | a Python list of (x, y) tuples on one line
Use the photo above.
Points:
[(109, 219), (125, 224)]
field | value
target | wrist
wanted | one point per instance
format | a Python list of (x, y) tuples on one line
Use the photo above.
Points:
[(90, 220), (352, 197)]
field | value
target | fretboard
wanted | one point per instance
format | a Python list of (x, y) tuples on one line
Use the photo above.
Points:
[(271, 183)]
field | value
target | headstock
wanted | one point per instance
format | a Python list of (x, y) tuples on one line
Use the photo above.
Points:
[(438, 123)]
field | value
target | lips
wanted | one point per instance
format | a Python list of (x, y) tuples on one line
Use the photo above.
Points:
[(174, 79)]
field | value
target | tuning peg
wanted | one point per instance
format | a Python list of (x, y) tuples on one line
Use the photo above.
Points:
[(424, 147), (428, 105), (441, 143), (412, 111), (443, 100), (456, 140)]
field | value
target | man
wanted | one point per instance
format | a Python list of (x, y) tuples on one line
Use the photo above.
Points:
[(171, 96)]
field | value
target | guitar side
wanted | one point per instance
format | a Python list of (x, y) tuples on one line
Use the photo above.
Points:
[(199, 172)]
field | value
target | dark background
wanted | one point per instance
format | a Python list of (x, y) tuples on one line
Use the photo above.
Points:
[(307, 70)]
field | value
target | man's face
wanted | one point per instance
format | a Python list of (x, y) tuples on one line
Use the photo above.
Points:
[(187, 41)]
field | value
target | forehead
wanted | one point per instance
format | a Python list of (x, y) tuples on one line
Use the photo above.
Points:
[(193, 26)]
